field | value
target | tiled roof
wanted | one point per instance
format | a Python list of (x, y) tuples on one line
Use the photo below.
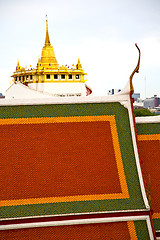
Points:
[(149, 149), (72, 159), (83, 151)]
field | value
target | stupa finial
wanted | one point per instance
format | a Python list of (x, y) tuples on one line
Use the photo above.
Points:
[(47, 41)]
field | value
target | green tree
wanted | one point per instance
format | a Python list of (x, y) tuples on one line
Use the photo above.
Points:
[(143, 112)]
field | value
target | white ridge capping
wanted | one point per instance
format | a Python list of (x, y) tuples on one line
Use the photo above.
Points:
[(137, 156), (126, 91), (65, 100), (148, 119), (80, 221)]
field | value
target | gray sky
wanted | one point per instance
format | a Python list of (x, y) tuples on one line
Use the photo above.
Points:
[(102, 33)]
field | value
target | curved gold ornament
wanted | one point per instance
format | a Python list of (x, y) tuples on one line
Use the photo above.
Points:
[(135, 70)]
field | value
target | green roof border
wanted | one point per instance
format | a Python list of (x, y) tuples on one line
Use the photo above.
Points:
[(141, 230), (148, 128)]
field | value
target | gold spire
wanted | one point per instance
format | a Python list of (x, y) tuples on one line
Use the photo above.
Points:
[(48, 59), (47, 41)]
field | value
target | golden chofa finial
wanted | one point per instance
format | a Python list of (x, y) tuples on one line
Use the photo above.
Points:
[(135, 70), (47, 41)]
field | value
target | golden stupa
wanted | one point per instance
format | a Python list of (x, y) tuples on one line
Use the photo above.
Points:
[(48, 69)]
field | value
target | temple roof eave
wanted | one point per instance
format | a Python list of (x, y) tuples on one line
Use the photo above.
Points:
[(45, 70)]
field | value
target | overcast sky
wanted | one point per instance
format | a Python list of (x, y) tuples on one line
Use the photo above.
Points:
[(102, 33)]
